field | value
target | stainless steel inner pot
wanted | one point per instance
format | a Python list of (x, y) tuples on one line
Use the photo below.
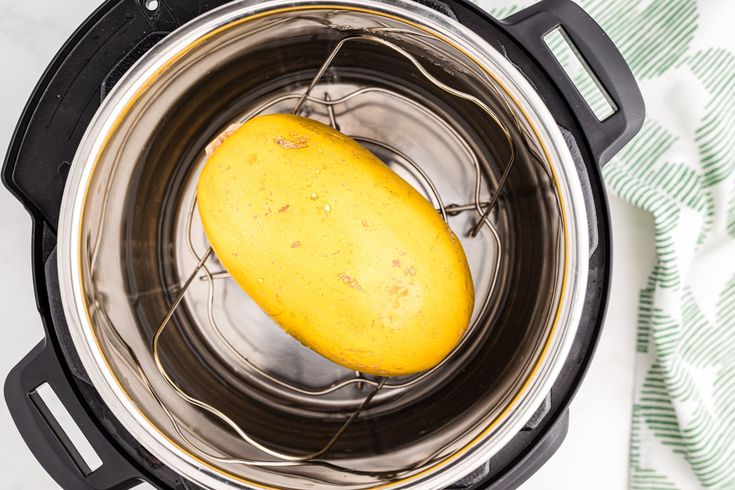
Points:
[(129, 238)]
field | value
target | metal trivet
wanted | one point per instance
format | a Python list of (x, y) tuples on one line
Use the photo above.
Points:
[(482, 210)]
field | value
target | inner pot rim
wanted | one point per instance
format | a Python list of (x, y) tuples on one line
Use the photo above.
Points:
[(113, 109)]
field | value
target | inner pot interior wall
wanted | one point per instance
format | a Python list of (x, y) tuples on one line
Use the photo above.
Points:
[(132, 279)]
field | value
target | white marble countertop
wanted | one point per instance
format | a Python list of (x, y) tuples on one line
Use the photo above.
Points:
[(595, 453)]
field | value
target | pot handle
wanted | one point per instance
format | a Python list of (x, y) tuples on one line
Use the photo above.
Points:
[(48, 440), (600, 56)]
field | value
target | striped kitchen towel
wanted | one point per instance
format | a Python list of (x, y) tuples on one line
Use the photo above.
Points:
[(681, 169)]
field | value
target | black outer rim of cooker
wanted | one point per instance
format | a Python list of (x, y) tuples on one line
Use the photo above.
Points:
[(35, 169)]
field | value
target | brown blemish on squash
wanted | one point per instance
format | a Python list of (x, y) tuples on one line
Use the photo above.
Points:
[(294, 142), (396, 263), (217, 142), (398, 292), (284, 208), (350, 281), (410, 271), (295, 244)]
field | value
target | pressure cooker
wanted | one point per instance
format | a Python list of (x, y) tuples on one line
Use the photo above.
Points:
[(175, 377)]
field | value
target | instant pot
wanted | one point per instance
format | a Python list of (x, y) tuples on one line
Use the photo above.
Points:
[(173, 374)]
